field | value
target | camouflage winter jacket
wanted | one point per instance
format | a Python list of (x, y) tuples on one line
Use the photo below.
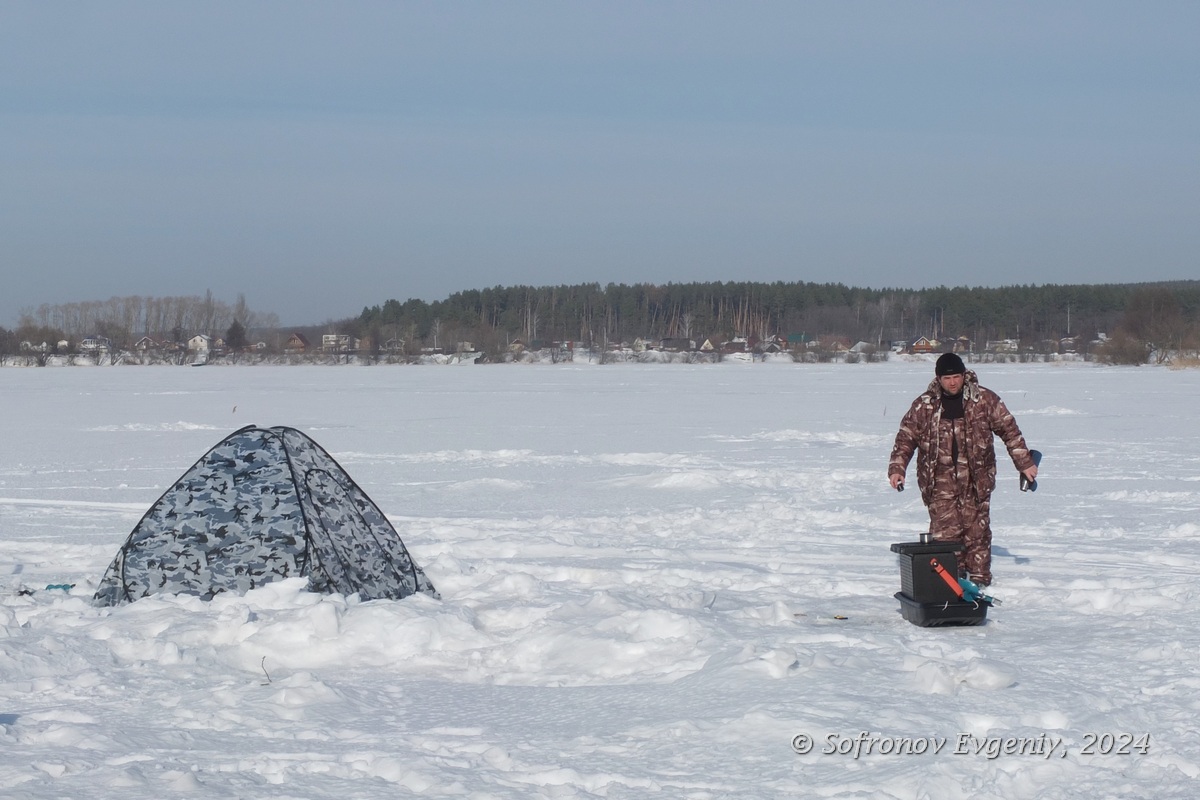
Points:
[(984, 413)]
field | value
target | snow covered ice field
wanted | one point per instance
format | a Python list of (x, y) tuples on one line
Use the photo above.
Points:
[(643, 573)]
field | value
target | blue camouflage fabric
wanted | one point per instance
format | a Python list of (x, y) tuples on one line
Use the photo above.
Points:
[(263, 504)]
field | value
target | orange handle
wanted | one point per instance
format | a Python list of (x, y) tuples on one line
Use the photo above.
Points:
[(946, 576)]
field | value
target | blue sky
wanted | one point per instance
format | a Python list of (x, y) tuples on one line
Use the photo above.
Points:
[(319, 157)]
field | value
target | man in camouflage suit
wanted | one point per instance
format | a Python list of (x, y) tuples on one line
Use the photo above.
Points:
[(950, 427)]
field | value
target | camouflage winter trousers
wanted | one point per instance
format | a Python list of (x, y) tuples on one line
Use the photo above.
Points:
[(957, 515)]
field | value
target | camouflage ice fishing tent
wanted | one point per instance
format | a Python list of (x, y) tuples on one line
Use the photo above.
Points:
[(264, 504)]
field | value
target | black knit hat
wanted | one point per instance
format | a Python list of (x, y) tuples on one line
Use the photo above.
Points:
[(949, 364)]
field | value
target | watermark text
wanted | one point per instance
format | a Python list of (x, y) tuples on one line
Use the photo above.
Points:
[(1045, 746)]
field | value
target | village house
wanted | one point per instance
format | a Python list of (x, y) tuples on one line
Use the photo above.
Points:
[(737, 344), (797, 341), (769, 345), (963, 345), (923, 344), (94, 343), (337, 342), (835, 344)]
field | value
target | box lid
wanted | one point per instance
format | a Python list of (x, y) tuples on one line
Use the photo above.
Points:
[(926, 548)]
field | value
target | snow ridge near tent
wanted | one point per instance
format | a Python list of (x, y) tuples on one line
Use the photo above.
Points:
[(848, 438), (652, 582), (163, 426), (1052, 410)]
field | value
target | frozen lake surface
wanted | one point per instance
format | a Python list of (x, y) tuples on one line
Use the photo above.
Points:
[(644, 571)]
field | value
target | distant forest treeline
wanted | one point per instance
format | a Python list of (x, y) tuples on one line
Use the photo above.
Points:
[(1156, 316), (124, 320), (1163, 314)]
